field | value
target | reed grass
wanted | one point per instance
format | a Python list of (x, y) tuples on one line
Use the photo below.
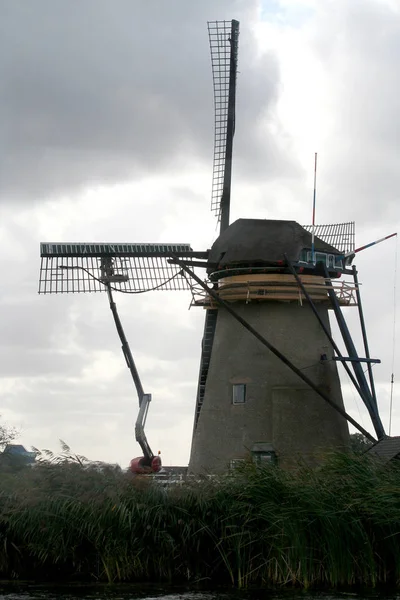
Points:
[(335, 526)]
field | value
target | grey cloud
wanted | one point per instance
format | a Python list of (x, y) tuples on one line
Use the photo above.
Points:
[(91, 414), (150, 334), (33, 362), (73, 141), (359, 45), (112, 91)]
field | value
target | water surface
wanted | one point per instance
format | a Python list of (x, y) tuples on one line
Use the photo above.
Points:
[(128, 592)]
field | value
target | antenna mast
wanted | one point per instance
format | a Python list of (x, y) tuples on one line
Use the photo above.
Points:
[(224, 40), (313, 210)]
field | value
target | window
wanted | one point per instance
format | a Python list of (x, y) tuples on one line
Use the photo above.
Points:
[(263, 454), (239, 393), (319, 257), (338, 262), (264, 458), (304, 256)]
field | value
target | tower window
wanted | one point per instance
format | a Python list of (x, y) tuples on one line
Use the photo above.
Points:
[(239, 393), (263, 453), (264, 458)]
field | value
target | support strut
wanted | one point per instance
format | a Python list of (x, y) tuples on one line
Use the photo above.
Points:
[(364, 334), (358, 371), (326, 331)]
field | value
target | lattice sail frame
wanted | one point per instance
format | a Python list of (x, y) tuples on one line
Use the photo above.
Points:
[(220, 36), (79, 267), (339, 235)]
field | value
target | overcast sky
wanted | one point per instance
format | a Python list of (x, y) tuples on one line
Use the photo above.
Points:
[(106, 134)]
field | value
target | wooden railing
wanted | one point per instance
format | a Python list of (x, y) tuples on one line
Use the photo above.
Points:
[(275, 287)]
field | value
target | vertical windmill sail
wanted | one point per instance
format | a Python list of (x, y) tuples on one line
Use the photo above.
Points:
[(224, 41)]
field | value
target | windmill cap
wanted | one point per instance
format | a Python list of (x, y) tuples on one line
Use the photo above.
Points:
[(261, 241)]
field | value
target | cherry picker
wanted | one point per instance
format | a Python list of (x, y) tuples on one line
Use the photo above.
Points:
[(148, 463)]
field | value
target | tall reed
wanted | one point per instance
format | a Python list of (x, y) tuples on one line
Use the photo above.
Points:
[(338, 525)]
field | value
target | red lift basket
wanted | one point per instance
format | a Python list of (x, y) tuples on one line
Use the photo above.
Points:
[(138, 465)]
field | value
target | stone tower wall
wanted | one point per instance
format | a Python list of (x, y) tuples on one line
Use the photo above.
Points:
[(279, 409)]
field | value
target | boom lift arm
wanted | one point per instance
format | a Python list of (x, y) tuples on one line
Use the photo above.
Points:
[(148, 463)]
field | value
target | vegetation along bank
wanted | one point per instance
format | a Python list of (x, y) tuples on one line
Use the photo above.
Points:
[(68, 520)]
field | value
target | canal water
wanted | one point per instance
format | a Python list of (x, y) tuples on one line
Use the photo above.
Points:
[(26, 592)]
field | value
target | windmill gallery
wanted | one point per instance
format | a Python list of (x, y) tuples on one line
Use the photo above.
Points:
[(268, 386)]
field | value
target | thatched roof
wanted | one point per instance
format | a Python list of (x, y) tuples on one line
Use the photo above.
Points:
[(256, 241)]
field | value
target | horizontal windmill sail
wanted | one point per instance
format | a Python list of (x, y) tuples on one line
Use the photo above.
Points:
[(129, 268)]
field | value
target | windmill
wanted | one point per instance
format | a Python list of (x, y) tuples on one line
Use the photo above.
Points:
[(268, 382)]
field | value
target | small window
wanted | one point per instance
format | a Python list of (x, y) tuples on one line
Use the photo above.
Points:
[(320, 257), (338, 262), (264, 458), (331, 261), (304, 256), (239, 393)]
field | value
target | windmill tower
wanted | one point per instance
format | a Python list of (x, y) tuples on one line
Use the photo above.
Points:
[(268, 382)]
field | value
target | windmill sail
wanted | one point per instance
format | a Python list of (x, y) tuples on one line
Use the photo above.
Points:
[(224, 41), (338, 235), (130, 268)]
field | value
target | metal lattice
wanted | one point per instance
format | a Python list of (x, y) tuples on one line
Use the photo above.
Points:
[(129, 268), (112, 249), (221, 35), (338, 235)]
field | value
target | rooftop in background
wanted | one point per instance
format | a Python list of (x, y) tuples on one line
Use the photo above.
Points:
[(171, 475), (20, 452), (386, 449)]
